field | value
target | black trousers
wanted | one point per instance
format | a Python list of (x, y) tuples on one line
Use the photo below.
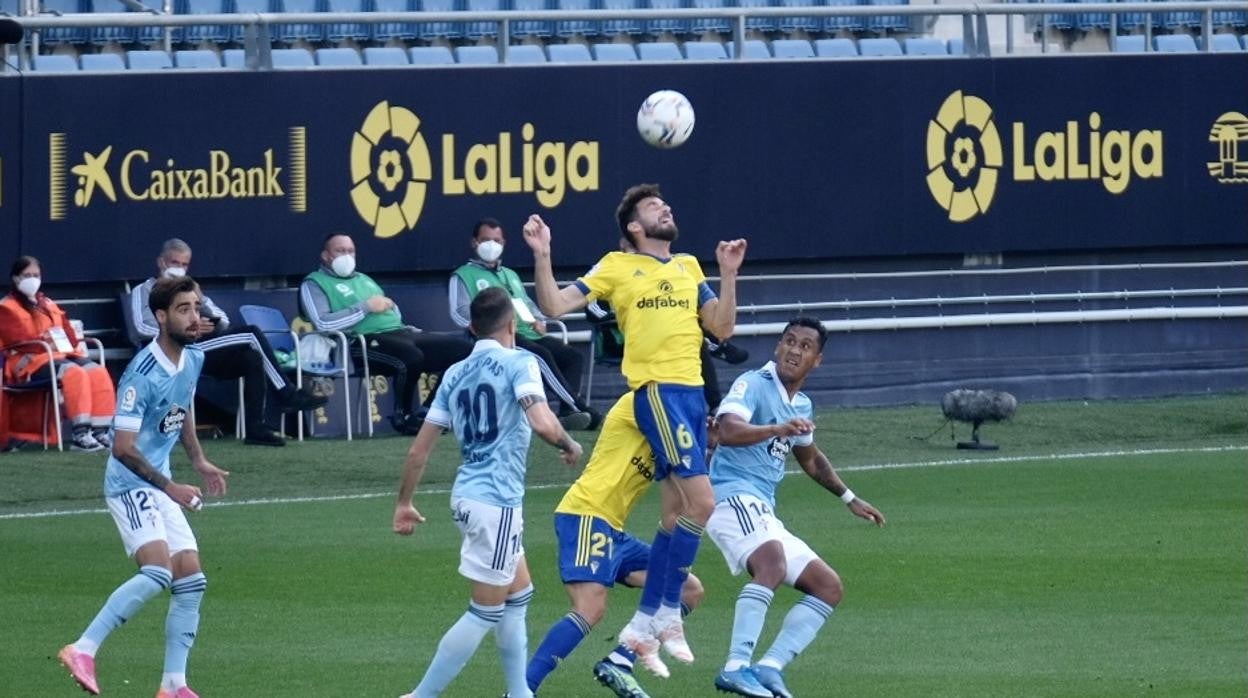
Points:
[(404, 354), (566, 364), (244, 352)]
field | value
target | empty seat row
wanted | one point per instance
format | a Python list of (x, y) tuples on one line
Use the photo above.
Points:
[(1132, 20), (1179, 43)]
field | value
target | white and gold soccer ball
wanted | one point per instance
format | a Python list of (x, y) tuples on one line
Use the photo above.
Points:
[(665, 119)]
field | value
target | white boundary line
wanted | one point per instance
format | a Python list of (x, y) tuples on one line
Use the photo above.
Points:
[(843, 469)]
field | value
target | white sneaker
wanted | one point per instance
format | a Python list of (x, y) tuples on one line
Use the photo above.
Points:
[(102, 437), (646, 646), (84, 441), (671, 635)]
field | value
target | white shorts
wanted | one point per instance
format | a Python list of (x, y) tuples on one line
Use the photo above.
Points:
[(146, 514), (493, 541), (740, 524)]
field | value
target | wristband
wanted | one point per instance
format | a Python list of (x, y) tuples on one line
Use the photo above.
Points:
[(848, 496)]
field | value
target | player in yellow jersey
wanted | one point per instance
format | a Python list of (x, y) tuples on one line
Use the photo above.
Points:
[(661, 300)]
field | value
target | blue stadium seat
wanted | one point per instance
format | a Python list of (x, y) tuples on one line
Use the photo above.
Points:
[(298, 32), (836, 48), (103, 35), (915, 46), (793, 24), (102, 62), (292, 59), (752, 49), (568, 53), (215, 33), (156, 35), (657, 27), (338, 57), (1225, 42), (711, 24), (10, 8), (1230, 19), (957, 47), (252, 7), (434, 30), (1175, 20), (1174, 43), (1091, 20), (1132, 43), (349, 31), (792, 48), (197, 58), (659, 51), (526, 53), (148, 60), (579, 26), (476, 30), (705, 51), (762, 24), (233, 58), (883, 23), (65, 35), (58, 63), (613, 27), (1062, 21), (879, 47), (614, 52), (430, 55), (835, 24), (476, 55), (400, 31), (385, 55), (530, 27)]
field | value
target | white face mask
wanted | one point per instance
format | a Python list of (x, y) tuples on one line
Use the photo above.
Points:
[(489, 251), (175, 272), (29, 286), (343, 265)]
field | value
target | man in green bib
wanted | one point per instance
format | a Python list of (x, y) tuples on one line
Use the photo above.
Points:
[(561, 365), (337, 297)]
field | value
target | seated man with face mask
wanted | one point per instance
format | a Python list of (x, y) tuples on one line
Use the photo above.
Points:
[(561, 365), (337, 297), (229, 352)]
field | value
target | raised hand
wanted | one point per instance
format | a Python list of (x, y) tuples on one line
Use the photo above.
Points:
[(730, 255), (537, 234)]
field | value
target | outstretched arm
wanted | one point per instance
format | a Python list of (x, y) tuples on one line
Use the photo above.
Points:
[(735, 431), (553, 301), (820, 469), (719, 317)]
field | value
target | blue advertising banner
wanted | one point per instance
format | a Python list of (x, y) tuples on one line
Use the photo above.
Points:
[(805, 159), (10, 165)]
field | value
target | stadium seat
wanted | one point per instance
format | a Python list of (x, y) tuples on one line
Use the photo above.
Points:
[(792, 48), (348, 31), (65, 35), (10, 8), (476, 55), (659, 51), (835, 24), (712, 25), (387, 55), (1225, 42), (1174, 43), (215, 33), (614, 52), (658, 27), (477, 30), (1132, 43), (884, 23), (762, 24), (568, 53), (41, 383), (234, 58), (924, 47), (794, 24), (528, 27), (1085, 21), (435, 30), (752, 49), (1134, 20), (1060, 21), (252, 7), (148, 60), (338, 57), (1176, 20), (836, 48), (705, 51), (525, 53), (614, 27), (292, 59), (104, 35), (957, 47), (102, 62), (198, 58), (577, 26), (430, 55), (879, 47), (58, 63), (299, 32), (400, 31)]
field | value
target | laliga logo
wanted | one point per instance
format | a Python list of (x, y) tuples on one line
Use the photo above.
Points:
[(963, 139), (389, 140)]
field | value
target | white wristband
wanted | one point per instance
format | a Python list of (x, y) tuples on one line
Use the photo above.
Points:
[(848, 496)]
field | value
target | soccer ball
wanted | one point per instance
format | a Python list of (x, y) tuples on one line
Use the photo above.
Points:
[(665, 119)]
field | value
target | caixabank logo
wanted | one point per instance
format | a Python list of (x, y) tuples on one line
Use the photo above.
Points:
[(393, 171), (966, 161), (107, 176)]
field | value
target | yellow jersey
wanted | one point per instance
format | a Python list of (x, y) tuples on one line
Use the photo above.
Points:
[(618, 472), (656, 304)]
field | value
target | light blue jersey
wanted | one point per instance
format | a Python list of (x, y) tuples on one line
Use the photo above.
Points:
[(759, 398), (153, 399), (479, 399)]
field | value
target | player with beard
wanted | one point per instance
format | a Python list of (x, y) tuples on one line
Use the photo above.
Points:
[(662, 301), (154, 412)]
